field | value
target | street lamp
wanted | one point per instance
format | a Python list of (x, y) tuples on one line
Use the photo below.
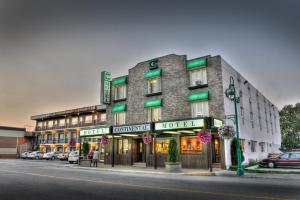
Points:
[(231, 94)]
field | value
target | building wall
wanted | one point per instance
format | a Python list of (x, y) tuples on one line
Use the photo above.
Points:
[(9, 142), (259, 126)]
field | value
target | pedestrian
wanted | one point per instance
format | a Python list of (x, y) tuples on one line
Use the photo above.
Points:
[(95, 158)]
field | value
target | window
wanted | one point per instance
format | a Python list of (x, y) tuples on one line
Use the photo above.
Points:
[(39, 124), (242, 144), (190, 145), (89, 119), (81, 119), (62, 122), (74, 120), (49, 137), (103, 117), (154, 114), (162, 145), (284, 156), (120, 118), (50, 123), (262, 147), (154, 85), (95, 117), (199, 109), (253, 146), (295, 155), (123, 146), (120, 92), (120, 146), (198, 77)]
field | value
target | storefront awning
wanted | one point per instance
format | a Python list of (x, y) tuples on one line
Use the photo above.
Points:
[(198, 62), (153, 103), (199, 96), (153, 73), (119, 108), (119, 81)]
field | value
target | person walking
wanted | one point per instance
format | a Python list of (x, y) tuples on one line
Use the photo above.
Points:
[(95, 158)]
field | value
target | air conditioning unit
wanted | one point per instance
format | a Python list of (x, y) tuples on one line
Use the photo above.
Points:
[(198, 82)]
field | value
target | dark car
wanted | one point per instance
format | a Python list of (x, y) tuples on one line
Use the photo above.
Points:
[(289, 159)]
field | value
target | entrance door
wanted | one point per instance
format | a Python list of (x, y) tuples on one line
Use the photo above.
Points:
[(216, 154), (139, 150)]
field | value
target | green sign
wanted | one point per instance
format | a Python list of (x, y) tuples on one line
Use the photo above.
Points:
[(119, 81), (119, 108), (153, 73), (199, 96), (153, 103), (198, 62), (93, 132), (153, 64), (105, 87), (184, 124)]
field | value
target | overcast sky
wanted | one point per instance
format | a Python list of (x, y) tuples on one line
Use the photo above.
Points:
[(52, 52)]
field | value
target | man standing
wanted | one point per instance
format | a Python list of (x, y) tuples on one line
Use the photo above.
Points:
[(95, 158)]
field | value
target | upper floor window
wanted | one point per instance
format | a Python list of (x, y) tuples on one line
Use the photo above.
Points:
[(50, 123), (88, 119), (199, 109), (74, 120), (198, 77), (154, 85), (120, 92), (103, 117), (39, 124), (62, 122), (120, 118), (154, 114), (253, 146)]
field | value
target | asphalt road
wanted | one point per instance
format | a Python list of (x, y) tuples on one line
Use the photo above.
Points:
[(49, 180)]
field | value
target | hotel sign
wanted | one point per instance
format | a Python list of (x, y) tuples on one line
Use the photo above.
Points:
[(132, 128), (93, 132), (217, 123), (105, 87), (194, 123)]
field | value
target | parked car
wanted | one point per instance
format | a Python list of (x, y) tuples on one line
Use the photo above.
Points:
[(288, 159), (36, 155), (25, 154), (51, 155), (63, 156), (73, 157)]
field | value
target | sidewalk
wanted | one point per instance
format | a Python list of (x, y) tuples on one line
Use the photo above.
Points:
[(147, 170)]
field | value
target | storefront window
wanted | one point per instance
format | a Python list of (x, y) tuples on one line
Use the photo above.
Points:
[(162, 145), (120, 92), (120, 118), (123, 146), (198, 77), (154, 85), (154, 114), (199, 109), (190, 145)]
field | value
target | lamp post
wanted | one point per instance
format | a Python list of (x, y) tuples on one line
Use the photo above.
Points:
[(231, 94)]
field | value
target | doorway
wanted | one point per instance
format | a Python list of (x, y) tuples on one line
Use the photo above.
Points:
[(216, 154), (139, 150)]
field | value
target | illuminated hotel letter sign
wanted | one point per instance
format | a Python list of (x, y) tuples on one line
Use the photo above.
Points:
[(93, 132), (184, 124), (105, 87)]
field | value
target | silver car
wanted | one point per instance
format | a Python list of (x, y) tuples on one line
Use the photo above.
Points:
[(36, 155)]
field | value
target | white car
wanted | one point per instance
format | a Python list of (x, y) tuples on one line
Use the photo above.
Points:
[(25, 154), (50, 155), (63, 156), (73, 157), (36, 155)]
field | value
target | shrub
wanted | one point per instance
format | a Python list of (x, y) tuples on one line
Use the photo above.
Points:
[(234, 153), (173, 151)]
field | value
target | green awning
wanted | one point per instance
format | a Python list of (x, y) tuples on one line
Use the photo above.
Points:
[(153, 103), (119, 80), (153, 73), (199, 96), (198, 62), (119, 108)]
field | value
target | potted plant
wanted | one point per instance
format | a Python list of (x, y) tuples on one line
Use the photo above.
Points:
[(85, 150), (173, 165)]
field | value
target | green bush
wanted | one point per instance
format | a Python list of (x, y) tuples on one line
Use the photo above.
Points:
[(173, 151), (85, 149), (234, 153)]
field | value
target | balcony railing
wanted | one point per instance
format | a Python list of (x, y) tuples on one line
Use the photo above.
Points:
[(56, 141), (80, 124)]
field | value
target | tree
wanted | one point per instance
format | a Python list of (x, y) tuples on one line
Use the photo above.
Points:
[(290, 126), (234, 152), (85, 149), (173, 151)]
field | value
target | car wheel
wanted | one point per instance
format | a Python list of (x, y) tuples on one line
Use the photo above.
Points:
[(53, 158), (70, 162), (271, 165)]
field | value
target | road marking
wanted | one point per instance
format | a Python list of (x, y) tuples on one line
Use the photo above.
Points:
[(153, 187)]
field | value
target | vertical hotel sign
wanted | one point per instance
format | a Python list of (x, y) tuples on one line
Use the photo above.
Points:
[(105, 87)]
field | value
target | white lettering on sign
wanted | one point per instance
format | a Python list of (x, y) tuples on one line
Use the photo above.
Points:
[(132, 128), (91, 132), (195, 123)]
